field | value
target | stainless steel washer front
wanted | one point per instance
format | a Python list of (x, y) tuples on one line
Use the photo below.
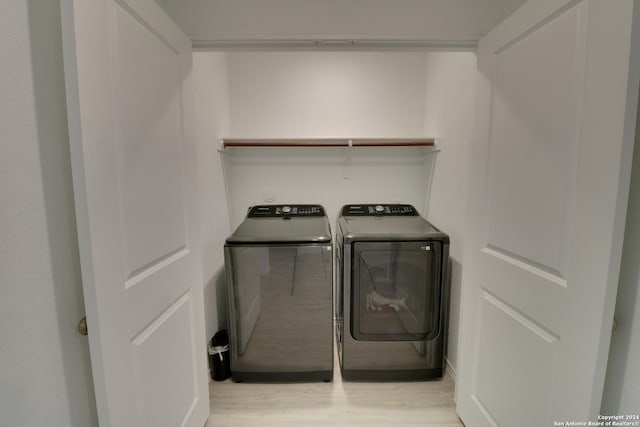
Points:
[(279, 280)]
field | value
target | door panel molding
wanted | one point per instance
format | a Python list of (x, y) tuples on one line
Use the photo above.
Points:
[(559, 106), (127, 75)]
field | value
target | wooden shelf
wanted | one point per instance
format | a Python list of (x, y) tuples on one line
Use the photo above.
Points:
[(328, 142), (394, 143)]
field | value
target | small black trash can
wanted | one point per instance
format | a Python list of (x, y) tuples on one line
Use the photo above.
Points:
[(219, 360)]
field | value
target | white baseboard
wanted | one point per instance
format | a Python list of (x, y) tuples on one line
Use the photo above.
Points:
[(450, 369), (452, 373)]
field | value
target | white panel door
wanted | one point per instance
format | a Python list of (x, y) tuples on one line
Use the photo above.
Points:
[(557, 95), (134, 173)]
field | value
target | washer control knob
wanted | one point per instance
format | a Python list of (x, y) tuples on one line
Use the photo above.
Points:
[(286, 209), (379, 208)]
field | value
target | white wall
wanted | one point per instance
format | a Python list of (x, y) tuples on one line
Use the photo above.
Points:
[(332, 177), (45, 370), (212, 120), (326, 94), (449, 113)]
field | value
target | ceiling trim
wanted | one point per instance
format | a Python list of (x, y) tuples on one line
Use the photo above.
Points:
[(333, 45)]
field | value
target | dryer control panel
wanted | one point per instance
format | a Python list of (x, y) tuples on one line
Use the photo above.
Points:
[(285, 211), (379, 210)]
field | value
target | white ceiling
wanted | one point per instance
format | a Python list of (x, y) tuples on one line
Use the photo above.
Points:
[(337, 23)]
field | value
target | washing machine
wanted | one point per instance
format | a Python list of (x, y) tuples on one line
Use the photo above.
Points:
[(392, 293), (279, 271)]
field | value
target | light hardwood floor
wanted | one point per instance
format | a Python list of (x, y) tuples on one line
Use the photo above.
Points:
[(423, 403)]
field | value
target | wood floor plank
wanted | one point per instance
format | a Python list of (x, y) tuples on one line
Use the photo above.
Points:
[(339, 403)]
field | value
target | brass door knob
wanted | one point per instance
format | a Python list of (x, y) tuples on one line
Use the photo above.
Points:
[(82, 327)]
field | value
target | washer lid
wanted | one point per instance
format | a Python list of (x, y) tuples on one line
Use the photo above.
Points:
[(283, 224), (392, 222)]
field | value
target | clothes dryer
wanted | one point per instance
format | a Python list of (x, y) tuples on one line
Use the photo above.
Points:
[(392, 293), (279, 280)]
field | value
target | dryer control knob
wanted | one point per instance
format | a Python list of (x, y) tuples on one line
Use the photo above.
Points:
[(286, 209), (379, 208)]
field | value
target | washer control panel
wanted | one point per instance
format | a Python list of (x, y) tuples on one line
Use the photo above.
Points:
[(285, 211), (379, 210)]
